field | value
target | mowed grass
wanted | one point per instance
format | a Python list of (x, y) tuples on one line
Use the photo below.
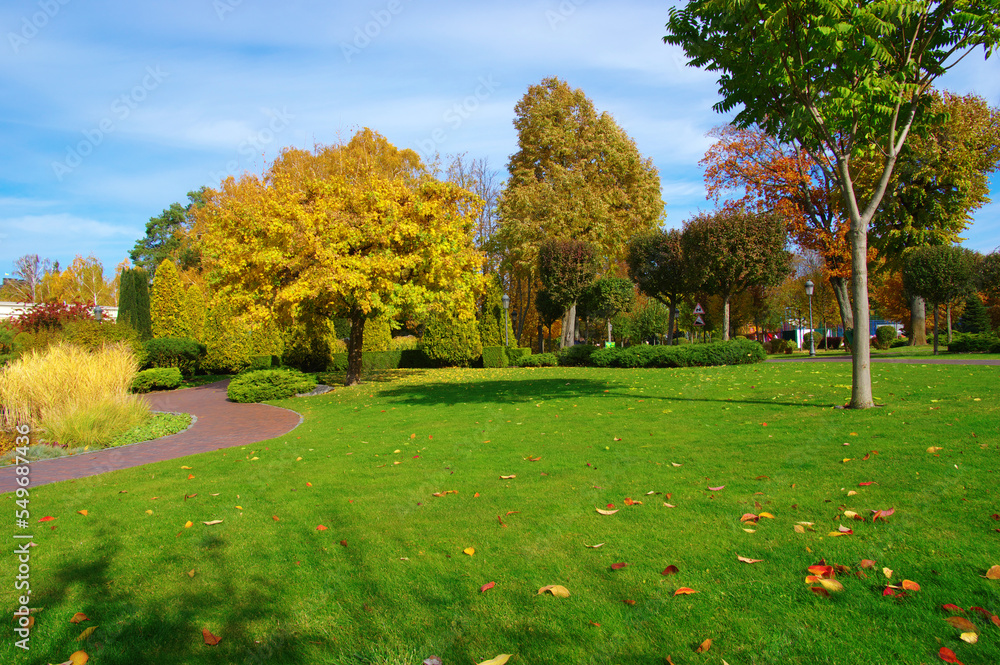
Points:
[(400, 588)]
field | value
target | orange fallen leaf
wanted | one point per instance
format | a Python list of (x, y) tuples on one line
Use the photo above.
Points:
[(77, 658), (78, 617), (500, 659), (948, 656), (190, 476), (705, 646), (684, 591), (628, 601), (910, 585), (275, 518), (82, 512), (190, 573), (487, 586), (210, 639), (47, 518), (618, 566), (867, 563), (767, 515), (996, 620), (321, 528), (993, 573)]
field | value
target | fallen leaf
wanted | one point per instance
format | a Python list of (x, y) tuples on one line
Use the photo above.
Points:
[(190, 476), (843, 529), (704, 646), (948, 656), (628, 601), (469, 550), (911, 586), (513, 475), (555, 590), (684, 591), (149, 512), (831, 585), (750, 530), (952, 608), (887, 572), (47, 518), (746, 560), (748, 517), (668, 505), (594, 547), (820, 591), (498, 660), (870, 482), (321, 528), (670, 570), (799, 528), (675, 464), (275, 518), (78, 617), (86, 633), (487, 586), (851, 515), (606, 512), (889, 591), (618, 566), (867, 563), (78, 658), (971, 638), (993, 573), (213, 522), (210, 639), (717, 489), (767, 515), (82, 512), (822, 570), (996, 620), (851, 493), (343, 543), (188, 524), (433, 660), (962, 624), (934, 449), (190, 573), (187, 468)]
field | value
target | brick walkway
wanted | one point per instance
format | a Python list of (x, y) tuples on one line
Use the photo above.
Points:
[(220, 424)]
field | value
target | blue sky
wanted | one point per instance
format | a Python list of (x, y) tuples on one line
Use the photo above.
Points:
[(113, 110)]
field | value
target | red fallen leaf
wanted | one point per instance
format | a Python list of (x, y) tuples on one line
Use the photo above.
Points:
[(867, 563), (911, 586), (883, 514), (820, 591), (476, 495), (889, 591), (47, 518), (684, 591), (952, 608), (749, 517), (717, 489), (870, 482), (670, 570), (343, 543), (501, 521), (487, 586), (210, 639), (618, 566), (628, 602), (986, 614), (821, 570), (321, 528), (275, 518), (948, 656)]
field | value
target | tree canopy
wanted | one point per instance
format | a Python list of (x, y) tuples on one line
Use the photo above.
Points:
[(168, 236), (938, 274), (656, 264), (567, 268)]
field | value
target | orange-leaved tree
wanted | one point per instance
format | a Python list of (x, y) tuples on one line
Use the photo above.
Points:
[(356, 229)]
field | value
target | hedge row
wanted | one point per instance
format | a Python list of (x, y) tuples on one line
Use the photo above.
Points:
[(261, 385), (974, 343), (733, 352)]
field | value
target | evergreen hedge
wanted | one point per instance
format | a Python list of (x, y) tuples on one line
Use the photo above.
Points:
[(733, 352), (979, 343), (538, 360), (495, 356), (180, 352), (158, 378), (268, 384)]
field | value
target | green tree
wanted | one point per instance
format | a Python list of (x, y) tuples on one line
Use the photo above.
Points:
[(133, 301), (549, 311), (567, 268), (656, 264), (358, 229), (451, 341), (938, 274), (194, 311), (493, 318), (975, 318), (608, 297), (378, 334), (842, 79), (734, 250), (576, 174), (168, 236), (167, 303)]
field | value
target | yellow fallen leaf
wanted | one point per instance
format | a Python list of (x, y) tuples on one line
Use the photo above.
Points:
[(835, 534), (831, 585), (767, 515), (606, 512), (555, 590), (470, 550), (239, 507), (396, 452), (187, 467), (78, 658), (298, 459), (850, 514), (82, 512), (497, 660), (851, 493), (254, 459), (971, 638), (887, 572), (191, 573), (86, 633), (934, 449), (799, 528), (513, 475), (993, 573), (188, 524), (846, 460), (149, 512), (750, 530)]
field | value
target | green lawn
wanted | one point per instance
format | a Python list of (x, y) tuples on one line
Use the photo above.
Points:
[(387, 580)]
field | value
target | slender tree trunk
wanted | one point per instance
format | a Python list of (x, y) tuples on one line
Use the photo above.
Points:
[(935, 328), (609, 330), (918, 321), (354, 348), (671, 320), (541, 340), (861, 377), (841, 291), (725, 317), (949, 323), (569, 327)]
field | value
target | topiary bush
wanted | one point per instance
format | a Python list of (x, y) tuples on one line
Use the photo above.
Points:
[(733, 352), (577, 355), (514, 353), (884, 336), (180, 352), (158, 378), (377, 335), (449, 341), (268, 384), (538, 360), (494, 356)]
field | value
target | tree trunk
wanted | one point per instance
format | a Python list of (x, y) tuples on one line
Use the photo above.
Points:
[(949, 323), (935, 328), (541, 340), (609, 330), (841, 292), (861, 376), (354, 348), (725, 318), (569, 327), (918, 321), (671, 320)]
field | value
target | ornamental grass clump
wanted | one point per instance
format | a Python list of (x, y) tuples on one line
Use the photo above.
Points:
[(73, 396)]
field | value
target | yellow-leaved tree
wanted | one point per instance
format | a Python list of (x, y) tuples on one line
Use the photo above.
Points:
[(356, 229), (166, 302)]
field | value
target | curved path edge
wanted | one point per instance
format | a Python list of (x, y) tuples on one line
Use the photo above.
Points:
[(216, 423)]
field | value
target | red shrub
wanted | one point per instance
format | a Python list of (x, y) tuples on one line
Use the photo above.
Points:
[(51, 316)]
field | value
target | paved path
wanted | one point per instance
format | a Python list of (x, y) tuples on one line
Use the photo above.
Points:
[(904, 361), (220, 424)]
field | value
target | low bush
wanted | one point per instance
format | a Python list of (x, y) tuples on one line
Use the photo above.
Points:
[(884, 336), (158, 378), (180, 352), (538, 360), (494, 356), (733, 352), (576, 356), (901, 341), (790, 345), (776, 345), (376, 360), (515, 353), (261, 362), (268, 384), (974, 343), (833, 342)]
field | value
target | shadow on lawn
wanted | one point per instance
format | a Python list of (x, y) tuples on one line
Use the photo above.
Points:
[(500, 391)]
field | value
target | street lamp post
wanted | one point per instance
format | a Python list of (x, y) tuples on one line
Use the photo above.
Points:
[(98, 313), (506, 306), (812, 335)]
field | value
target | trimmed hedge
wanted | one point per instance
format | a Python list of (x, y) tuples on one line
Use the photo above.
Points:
[(538, 360), (400, 358), (974, 343), (268, 384), (180, 352), (495, 356), (158, 378), (733, 352), (261, 362), (576, 356), (515, 353)]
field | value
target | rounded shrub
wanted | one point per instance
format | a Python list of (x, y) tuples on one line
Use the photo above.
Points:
[(884, 336), (268, 384), (449, 341), (180, 352), (378, 334), (538, 360), (158, 378)]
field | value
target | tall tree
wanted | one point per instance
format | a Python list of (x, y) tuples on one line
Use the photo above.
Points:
[(478, 177), (166, 304), (841, 78), (567, 268), (656, 264), (168, 236), (356, 229), (734, 250), (133, 301), (609, 297), (938, 274), (30, 270), (576, 174)]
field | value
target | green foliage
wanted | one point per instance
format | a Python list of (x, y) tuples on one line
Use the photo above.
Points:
[(607, 297), (133, 302), (657, 266), (732, 352), (548, 309), (269, 384), (194, 311), (380, 360), (515, 353), (776, 345), (680, 341), (7, 336), (975, 318), (452, 342), (261, 362), (92, 335), (378, 334), (492, 317), (884, 336), (538, 360), (405, 343), (168, 236), (974, 343), (157, 378), (167, 303), (183, 353), (309, 344), (566, 268), (577, 355), (228, 342), (938, 273), (494, 356)]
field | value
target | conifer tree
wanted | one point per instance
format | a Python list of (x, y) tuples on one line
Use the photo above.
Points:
[(167, 303)]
